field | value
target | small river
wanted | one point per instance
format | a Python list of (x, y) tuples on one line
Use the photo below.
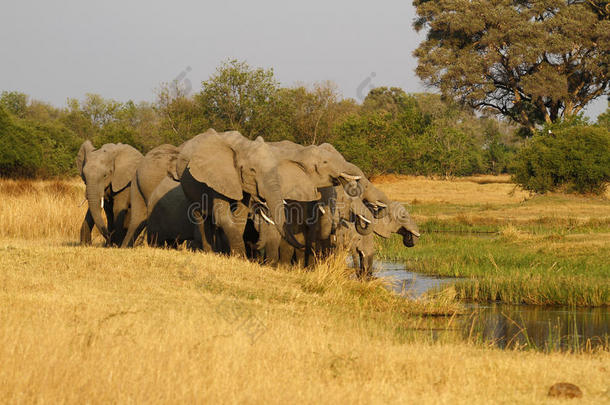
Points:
[(508, 326)]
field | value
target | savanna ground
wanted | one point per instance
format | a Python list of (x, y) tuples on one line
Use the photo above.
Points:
[(89, 324)]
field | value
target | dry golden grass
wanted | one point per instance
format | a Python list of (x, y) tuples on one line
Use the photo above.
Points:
[(467, 190), (40, 209), (150, 325), (494, 198), (88, 324)]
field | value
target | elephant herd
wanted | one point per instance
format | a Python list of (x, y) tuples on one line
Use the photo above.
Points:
[(276, 202)]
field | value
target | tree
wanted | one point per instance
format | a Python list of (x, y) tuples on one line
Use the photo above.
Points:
[(181, 117), (604, 119), (307, 115), (238, 97), (14, 102), (573, 157), (532, 61)]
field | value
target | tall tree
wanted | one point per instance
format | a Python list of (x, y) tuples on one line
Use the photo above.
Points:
[(238, 97), (532, 61), (309, 113)]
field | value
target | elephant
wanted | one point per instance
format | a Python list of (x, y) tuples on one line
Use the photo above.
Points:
[(224, 173), (397, 221), (156, 166), (169, 220), (107, 173), (305, 221), (362, 247), (305, 171)]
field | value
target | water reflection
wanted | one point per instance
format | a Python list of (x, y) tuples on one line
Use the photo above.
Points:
[(509, 326)]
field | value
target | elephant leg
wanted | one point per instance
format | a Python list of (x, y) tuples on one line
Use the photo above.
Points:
[(233, 223), (108, 210), (137, 218), (286, 252), (368, 250), (272, 250), (310, 243), (86, 228), (120, 213), (368, 266), (360, 269), (205, 230), (356, 260), (299, 257)]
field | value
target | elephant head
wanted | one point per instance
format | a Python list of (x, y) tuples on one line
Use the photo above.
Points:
[(233, 165), (106, 171), (398, 221), (306, 169), (353, 210)]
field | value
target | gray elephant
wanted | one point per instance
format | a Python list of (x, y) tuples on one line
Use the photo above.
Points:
[(223, 173), (156, 166), (107, 173), (305, 171), (169, 220), (362, 247)]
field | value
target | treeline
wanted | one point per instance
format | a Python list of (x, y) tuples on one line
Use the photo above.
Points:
[(389, 132)]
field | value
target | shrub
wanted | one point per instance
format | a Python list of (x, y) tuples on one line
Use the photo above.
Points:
[(575, 158), (29, 149)]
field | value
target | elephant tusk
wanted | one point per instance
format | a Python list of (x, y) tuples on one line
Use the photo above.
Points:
[(102, 202), (416, 234), (266, 218), (284, 201), (364, 219), (380, 204), (322, 210), (84, 201), (350, 177)]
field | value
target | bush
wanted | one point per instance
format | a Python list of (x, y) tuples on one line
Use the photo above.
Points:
[(29, 149), (575, 158)]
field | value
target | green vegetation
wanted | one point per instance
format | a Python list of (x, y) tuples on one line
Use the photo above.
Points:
[(32, 148), (576, 158), (534, 62), (390, 131), (544, 259)]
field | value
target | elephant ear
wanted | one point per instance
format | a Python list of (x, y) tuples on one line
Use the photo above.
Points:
[(173, 169), (213, 163), (295, 183), (125, 165), (85, 148)]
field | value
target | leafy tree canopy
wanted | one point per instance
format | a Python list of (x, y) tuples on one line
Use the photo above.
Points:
[(532, 61), (238, 97)]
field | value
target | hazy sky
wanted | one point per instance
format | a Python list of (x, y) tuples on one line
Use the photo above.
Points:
[(124, 49)]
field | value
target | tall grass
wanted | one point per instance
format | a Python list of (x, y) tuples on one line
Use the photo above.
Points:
[(544, 250), (37, 209), (87, 324)]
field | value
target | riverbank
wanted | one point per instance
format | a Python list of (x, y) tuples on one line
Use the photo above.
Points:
[(154, 325), (509, 246)]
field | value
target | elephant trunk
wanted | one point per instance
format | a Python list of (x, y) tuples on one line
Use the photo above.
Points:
[(410, 232), (363, 217), (275, 203), (94, 197)]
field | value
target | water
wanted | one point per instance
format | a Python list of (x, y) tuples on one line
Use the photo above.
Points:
[(509, 326), (409, 284)]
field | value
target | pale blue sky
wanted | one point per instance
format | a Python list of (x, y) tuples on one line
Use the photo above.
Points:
[(124, 49)]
